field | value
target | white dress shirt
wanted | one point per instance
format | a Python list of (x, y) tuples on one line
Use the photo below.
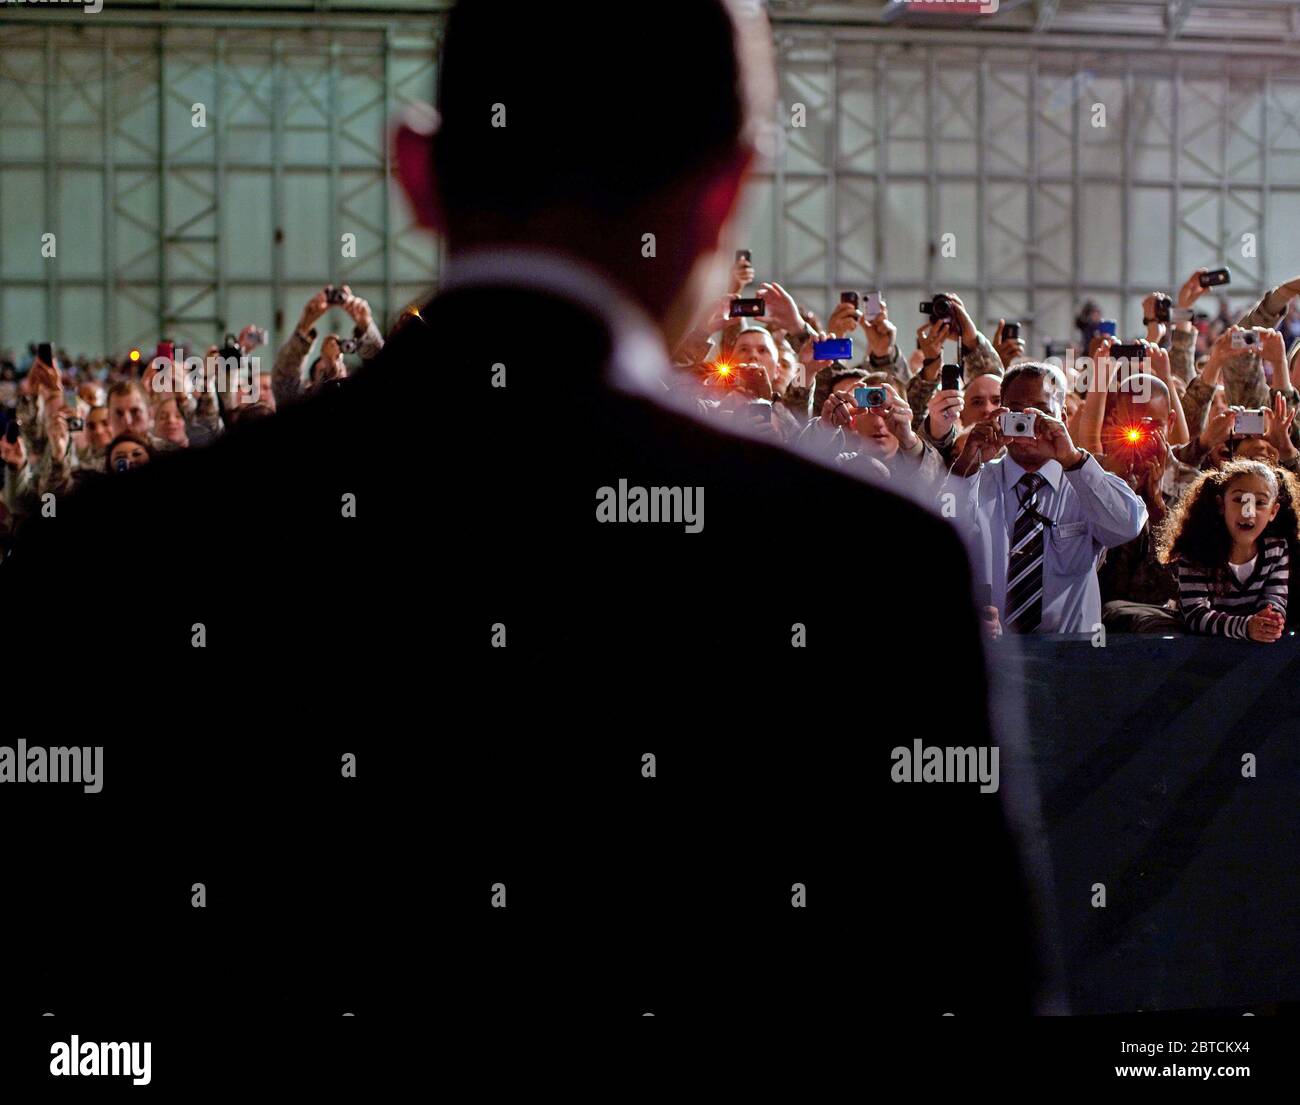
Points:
[(1090, 510)]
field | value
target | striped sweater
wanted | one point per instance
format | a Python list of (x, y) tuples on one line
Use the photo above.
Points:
[(1224, 605)]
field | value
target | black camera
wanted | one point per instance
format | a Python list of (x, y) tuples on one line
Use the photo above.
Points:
[(76, 425), (335, 296), (938, 307), (1010, 331), (1163, 306), (347, 345)]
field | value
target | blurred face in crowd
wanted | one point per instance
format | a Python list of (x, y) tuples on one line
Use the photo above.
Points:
[(757, 347), (1249, 503), (134, 455), (331, 360), (98, 431), (983, 395), (872, 428), (128, 411), (1255, 448), (1128, 410), (169, 423), (789, 362), (1022, 393)]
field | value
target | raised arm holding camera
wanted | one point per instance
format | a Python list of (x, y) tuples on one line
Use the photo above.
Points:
[(287, 378)]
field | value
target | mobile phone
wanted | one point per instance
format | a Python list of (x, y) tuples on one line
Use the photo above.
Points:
[(45, 353), (849, 297), (1215, 277), (950, 377), (1108, 326), (833, 349), (744, 255), (747, 308), (871, 311), (1010, 331), (1133, 352), (335, 296)]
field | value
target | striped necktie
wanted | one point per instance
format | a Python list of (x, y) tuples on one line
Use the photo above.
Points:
[(1025, 564)]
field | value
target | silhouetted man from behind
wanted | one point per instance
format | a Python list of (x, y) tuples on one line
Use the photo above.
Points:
[(586, 192)]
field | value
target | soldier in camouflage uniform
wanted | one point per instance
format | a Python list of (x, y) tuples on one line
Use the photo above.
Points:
[(287, 377)]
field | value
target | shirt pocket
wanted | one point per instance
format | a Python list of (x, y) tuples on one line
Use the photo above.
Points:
[(1073, 551)]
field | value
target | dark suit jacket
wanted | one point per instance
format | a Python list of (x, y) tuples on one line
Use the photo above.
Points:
[(475, 508)]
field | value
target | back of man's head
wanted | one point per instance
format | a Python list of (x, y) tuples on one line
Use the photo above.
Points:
[(543, 109)]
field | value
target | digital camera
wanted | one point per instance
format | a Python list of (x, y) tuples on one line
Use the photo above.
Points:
[(1250, 423), (335, 296), (1017, 424), (1244, 339), (1141, 436), (867, 398), (938, 307)]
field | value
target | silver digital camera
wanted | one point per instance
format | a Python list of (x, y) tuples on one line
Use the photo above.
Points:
[(1250, 423), (1017, 424)]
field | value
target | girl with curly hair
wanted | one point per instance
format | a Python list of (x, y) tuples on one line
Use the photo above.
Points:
[(1229, 542)]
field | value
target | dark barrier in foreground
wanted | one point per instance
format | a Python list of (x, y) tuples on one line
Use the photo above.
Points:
[(1143, 750)]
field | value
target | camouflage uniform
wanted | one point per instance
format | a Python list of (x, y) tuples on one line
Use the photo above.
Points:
[(287, 383), (979, 361)]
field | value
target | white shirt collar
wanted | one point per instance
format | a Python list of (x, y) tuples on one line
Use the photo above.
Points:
[(638, 362), (1051, 472)]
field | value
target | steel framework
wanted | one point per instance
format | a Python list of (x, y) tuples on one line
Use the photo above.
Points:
[(911, 135), (166, 228)]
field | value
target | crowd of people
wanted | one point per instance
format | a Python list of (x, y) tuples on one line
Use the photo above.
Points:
[(64, 422), (1152, 490)]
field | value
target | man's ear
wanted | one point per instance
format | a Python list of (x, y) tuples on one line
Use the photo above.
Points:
[(719, 198), (413, 140)]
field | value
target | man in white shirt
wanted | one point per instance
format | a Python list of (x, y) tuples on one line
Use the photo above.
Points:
[(1042, 513)]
